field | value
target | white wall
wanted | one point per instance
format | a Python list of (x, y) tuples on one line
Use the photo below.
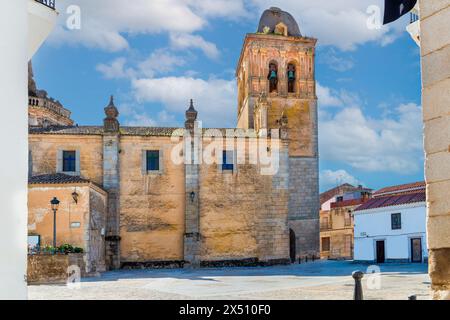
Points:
[(376, 224), (14, 148)]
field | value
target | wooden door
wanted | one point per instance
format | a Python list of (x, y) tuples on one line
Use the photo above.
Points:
[(380, 252), (292, 245), (416, 250)]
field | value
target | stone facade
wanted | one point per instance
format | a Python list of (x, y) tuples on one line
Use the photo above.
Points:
[(435, 52), (79, 223), (195, 213), (337, 222)]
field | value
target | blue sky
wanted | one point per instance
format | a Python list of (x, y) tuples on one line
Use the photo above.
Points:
[(154, 55)]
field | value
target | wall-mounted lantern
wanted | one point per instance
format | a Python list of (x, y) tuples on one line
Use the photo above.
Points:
[(75, 196), (192, 196)]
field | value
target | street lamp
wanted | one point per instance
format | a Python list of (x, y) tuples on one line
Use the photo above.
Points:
[(55, 205)]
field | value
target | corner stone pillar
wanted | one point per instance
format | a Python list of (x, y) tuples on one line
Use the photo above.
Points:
[(111, 183), (192, 238), (435, 56)]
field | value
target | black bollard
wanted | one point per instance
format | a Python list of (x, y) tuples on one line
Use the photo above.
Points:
[(358, 294), (413, 297)]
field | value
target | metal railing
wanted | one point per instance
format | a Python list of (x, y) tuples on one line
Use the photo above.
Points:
[(325, 226), (47, 3), (413, 17)]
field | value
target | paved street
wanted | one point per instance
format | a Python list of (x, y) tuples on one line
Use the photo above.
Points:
[(323, 280)]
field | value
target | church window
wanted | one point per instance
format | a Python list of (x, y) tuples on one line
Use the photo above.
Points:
[(152, 157), (69, 161), (227, 163)]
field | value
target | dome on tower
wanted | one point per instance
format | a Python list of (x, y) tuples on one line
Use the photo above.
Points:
[(275, 20)]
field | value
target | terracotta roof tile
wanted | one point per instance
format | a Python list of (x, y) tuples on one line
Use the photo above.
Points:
[(401, 189), (327, 195), (347, 203), (393, 200), (56, 178), (124, 130)]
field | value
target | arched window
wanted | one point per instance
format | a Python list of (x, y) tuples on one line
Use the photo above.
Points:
[(291, 77), (273, 77)]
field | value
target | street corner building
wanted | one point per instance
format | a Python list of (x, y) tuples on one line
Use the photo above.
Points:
[(391, 227), (136, 207), (336, 220)]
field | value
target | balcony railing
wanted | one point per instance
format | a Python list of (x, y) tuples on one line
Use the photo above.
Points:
[(47, 3), (325, 226), (413, 17)]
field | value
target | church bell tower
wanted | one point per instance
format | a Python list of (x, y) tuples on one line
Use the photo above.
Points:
[(276, 80)]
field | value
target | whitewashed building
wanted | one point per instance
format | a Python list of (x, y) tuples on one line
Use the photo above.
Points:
[(391, 227)]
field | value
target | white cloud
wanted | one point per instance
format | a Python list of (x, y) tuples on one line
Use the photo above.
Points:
[(105, 23), (116, 69), (330, 179), (189, 41), (214, 99), (326, 97), (231, 9), (376, 145), (159, 62), (340, 23), (335, 62)]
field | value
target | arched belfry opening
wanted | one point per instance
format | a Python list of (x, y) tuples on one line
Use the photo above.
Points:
[(273, 77), (292, 245), (291, 77)]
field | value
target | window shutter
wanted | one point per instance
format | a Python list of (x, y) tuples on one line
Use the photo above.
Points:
[(144, 162), (59, 161), (161, 161), (77, 161)]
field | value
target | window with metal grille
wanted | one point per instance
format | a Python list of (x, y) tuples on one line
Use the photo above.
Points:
[(152, 160), (396, 221), (69, 161), (228, 160)]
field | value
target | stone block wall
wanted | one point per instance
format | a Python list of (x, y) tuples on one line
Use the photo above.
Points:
[(243, 214), (152, 205), (96, 245), (44, 152), (304, 205), (111, 183), (435, 53), (43, 269)]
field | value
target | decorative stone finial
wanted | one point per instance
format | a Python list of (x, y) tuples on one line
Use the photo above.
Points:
[(110, 123), (191, 116)]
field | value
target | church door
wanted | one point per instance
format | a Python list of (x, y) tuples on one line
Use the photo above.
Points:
[(292, 248)]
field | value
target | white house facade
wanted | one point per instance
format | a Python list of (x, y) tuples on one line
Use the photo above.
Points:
[(392, 227)]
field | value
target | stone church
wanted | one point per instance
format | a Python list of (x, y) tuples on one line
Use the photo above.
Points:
[(127, 203)]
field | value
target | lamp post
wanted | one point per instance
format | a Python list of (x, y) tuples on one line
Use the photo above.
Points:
[(55, 205)]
